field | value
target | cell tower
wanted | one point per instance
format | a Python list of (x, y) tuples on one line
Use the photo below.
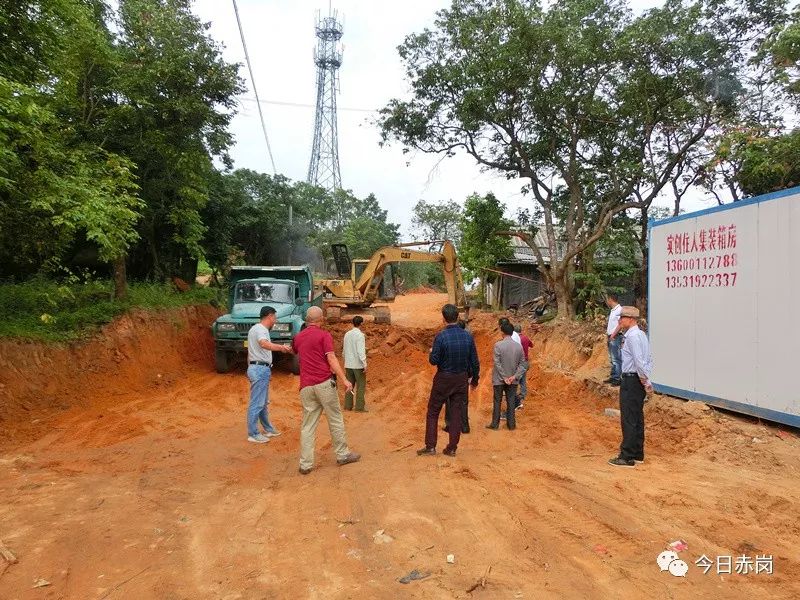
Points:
[(323, 170)]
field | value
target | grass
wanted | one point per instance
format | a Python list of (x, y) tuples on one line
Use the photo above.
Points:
[(44, 310)]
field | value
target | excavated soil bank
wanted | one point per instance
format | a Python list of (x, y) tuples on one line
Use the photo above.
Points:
[(145, 487)]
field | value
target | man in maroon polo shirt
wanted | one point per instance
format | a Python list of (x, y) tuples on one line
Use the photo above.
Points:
[(319, 372)]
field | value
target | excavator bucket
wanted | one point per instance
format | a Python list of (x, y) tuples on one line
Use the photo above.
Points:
[(341, 256)]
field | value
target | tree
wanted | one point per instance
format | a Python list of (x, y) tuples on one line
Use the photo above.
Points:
[(176, 99), (480, 247), (437, 220), (52, 178), (572, 98)]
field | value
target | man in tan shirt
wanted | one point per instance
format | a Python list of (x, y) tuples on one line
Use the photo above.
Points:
[(355, 364)]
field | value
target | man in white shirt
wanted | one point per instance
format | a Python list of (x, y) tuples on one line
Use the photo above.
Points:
[(614, 338), (637, 365), (259, 372), (355, 364)]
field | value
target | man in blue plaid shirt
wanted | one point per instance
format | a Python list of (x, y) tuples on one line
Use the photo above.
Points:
[(456, 357)]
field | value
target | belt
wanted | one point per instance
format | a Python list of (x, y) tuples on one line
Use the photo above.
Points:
[(631, 375), (261, 362)]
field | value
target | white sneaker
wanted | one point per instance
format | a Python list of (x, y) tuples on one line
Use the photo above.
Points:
[(271, 434), (258, 438)]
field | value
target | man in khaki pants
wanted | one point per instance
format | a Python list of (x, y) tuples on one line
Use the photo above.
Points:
[(319, 371)]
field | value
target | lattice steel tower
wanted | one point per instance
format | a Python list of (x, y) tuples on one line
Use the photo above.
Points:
[(323, 170)]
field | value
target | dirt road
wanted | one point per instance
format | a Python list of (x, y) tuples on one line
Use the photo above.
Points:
[(153, 492)]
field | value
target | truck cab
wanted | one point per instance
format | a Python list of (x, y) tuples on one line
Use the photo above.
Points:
[(289, 290)]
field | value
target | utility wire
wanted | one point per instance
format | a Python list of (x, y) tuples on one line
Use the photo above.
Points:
[(303, 105), (255, 89)]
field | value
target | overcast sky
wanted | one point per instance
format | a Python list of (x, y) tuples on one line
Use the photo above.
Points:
[(280, 39)]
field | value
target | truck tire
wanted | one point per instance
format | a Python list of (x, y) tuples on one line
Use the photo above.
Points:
[(333, 314), (223, 361), (294, 364), (382, 315)]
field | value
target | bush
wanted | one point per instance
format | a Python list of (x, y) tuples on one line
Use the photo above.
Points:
[(45, 310)]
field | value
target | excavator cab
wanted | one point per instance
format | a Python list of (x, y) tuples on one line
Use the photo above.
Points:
[(341, 256)]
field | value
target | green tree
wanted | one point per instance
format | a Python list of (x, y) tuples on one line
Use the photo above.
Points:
[(564, 96), (176, 99), (52, 178), (437, 220), (480, 247)]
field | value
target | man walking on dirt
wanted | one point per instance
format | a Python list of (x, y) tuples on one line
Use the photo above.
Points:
[(636, 368), (525, 342), (355, 364), (614, 338), (456, 358), (319, 372), (465, 408), (509, 363), (259, 371)]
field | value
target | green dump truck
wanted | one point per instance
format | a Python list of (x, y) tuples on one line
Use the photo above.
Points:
[(290, 290)]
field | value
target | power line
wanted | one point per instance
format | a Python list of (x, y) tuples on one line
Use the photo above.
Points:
[(255, 89), (302, 105)]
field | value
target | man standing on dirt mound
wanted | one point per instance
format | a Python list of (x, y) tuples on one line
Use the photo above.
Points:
[(456, 357), (636, 368), (319, 372), (355, 364), (259, 371), (509, 364)]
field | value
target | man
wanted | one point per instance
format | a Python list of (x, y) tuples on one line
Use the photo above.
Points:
[(509, 362), (259, 371), (456, 358), (355, 364), (614, 340), (465, 408), (636, 368), (526, 344), (514, 335), (319, 372)]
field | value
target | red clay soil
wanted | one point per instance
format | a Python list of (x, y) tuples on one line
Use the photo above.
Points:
[(137, 486)]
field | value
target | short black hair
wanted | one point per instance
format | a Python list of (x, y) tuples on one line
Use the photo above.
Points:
[(507, 328), (267, 311), (358, 320), (503, 320), (450, 313), (612, 296)]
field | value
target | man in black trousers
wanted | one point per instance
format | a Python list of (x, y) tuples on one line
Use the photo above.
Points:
[(509, 365), (637, 366), (465, 409), (456, 357)]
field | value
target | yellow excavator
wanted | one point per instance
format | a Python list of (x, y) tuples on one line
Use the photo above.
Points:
[(363, 283)]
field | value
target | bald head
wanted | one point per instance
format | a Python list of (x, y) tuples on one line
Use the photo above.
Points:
[(314, 315)]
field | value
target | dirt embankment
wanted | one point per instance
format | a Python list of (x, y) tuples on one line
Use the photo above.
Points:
[(138, 352), (149, 489)]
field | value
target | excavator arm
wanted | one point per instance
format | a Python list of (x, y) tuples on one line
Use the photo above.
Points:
[(367, 285)]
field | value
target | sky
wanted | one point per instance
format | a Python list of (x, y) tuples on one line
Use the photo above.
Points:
[(280, 40)]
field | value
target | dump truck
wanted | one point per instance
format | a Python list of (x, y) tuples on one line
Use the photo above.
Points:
[(366, 285), (290, 290)]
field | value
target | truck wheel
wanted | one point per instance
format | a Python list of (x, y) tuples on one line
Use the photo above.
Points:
[(333, 314), (294, 364), (223, 361), (383, 315)]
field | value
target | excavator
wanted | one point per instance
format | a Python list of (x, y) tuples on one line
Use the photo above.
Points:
[(364, 282)]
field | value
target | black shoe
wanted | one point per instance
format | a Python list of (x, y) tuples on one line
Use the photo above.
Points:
[(621, 462), (304, 471), (639, 460), (615, 383), (465, 430), (512, 428), (426, 451), (609, 380), (361, 410), (519, 406), (495, 427), (449, 452)]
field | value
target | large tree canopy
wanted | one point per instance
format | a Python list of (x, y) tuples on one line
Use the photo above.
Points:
[(592, 106)]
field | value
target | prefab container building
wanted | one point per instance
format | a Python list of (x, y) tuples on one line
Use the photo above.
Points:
[(724, 288)]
